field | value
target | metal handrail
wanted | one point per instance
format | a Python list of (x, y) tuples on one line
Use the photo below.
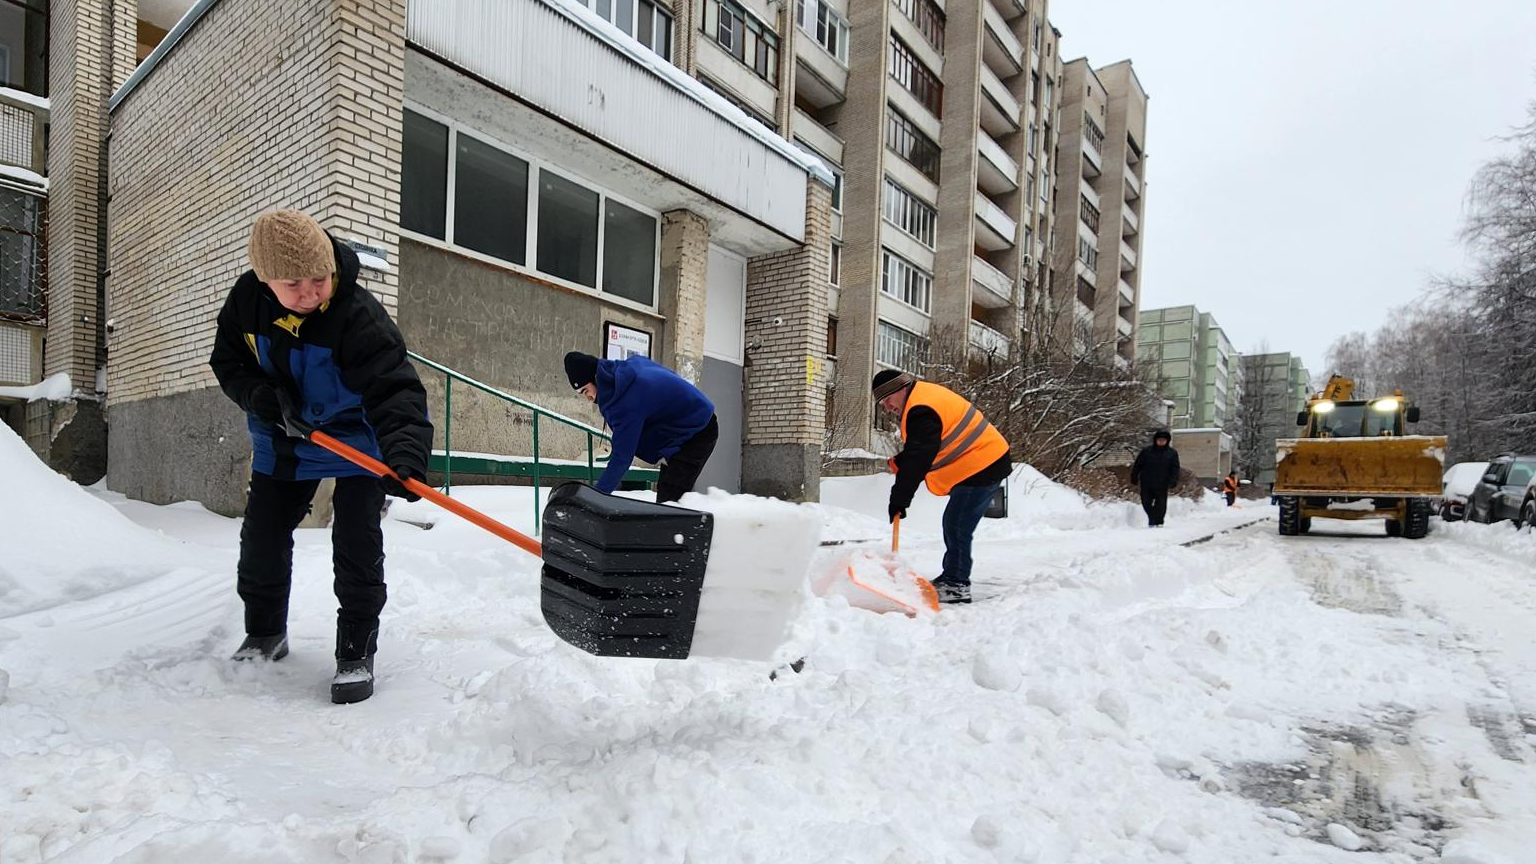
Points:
[(451, 375)]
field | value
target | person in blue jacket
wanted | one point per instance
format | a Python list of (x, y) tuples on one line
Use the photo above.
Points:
[(654, 414)]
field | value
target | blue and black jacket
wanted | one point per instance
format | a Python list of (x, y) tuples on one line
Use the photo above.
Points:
[(343, 366), (652, 411)]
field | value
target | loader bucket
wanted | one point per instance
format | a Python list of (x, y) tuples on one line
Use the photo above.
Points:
[(1397, 466), (622, 578)]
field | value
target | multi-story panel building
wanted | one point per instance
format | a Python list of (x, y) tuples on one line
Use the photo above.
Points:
[(1276, 389), (1099, 209), (946, 129), (1188, 358)]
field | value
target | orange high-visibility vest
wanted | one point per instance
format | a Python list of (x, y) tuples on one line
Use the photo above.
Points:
[(968, 442), (1229, 486)]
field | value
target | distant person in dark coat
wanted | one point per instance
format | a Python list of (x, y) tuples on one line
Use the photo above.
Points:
[(654, 414), (1156, 471)]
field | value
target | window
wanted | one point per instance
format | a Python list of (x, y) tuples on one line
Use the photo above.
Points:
[(1085, 292), (900, 348), (1037, 35), (584, 236), (928, 17), (742, 36), (424, 176), (21, 269), (903, 280), (1152, 333), (908, 142), (1176, 350), (490, 200), (910, 213), (650, 24), (629, 252), (915, 78), (567, 229), (1090, 214), (1087, 253), (835, 266), (837, 191), (1050, 88), (831, 336), (822, 23), (24, 46), (1032, 138), (1177, 331), (1175, 368)]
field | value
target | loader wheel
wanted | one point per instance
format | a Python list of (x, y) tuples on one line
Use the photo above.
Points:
[(1417, 525), (1290, 516), (1394, 528)]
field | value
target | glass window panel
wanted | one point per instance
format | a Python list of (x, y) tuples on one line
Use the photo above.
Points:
[(629, 253), (424, 176), (490, 201), (567, 230)]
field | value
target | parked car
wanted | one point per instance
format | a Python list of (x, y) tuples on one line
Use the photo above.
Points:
[(1502, 491), (1460, 480)]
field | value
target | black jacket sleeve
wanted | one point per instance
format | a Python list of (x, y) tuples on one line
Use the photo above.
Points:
[(1173, 468), (233, 361), (1141, 462), (924, 430), (372, 362)]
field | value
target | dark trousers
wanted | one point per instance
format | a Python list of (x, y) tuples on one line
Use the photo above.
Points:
[(1155, 502), (1231, 498), (962, 514), (681, 470), (265, 572)]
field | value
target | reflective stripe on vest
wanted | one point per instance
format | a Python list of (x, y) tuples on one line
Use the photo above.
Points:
[(968, 443)]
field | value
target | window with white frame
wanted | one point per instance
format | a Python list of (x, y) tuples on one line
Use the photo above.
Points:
[(900, 348), (835, 265), (910, 213), (649, 22), (822, 23), (905, 281), (462, 189), (1087, 253), (743, 36)]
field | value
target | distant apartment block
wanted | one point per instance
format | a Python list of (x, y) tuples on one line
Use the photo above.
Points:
[(1188, 358), (1278, 386)]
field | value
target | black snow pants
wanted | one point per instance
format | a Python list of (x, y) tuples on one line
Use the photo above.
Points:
[(1155, 502), (681, 470), (273, 510)]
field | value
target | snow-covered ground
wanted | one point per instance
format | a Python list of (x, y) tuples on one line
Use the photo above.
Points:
[(1119, 696)]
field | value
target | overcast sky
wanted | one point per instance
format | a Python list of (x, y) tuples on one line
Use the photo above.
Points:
[(1308, 160)]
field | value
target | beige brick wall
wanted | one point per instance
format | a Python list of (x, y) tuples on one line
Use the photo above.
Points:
[(263, 104), (786, 334), (684, 287)]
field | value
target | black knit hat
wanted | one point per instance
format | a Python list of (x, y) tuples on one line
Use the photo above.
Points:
[(888, 381), (581, 369)]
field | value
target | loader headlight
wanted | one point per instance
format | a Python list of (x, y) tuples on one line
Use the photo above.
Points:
[(1323, 407), (1385, 405)]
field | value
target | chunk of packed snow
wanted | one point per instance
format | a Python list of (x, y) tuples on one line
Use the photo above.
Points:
[(55, 388), (1113, 705), (993, 670), (1342, 837), (1170, 838)]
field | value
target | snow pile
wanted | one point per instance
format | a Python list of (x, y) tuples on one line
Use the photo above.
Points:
[(1500, 537), (755, 582), (59, 543), (54, 387)]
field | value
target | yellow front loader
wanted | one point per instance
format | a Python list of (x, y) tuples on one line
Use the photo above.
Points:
[(1354, 461)]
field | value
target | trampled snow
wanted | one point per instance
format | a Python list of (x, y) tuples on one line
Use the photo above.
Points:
[(1113, 696)]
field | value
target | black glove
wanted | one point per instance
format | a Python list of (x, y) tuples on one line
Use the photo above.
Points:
[(264, 404), (397, 487), (892, 511)]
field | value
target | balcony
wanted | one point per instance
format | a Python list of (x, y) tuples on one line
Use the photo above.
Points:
[(1010, 9), (1127, 257), (1002, 50), (1086, 272), (1127, 294), (1123, 327), (1000, 112), (1084, 312), (993, 288), (23, 119), (820, 78), (988, 340), (818, 137), (995, 230), (1131, 223), (1092, 196), (1132, 185), (996, 174), (1121, 363), (1093, 160)]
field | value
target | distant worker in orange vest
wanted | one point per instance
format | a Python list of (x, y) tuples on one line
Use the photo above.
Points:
[(949, 444), (1229, 488)]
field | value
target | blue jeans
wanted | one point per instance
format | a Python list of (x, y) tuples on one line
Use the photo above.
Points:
[(961, 516)]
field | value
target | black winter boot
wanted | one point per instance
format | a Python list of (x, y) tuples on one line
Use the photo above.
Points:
[(353, 681), (268, 648)]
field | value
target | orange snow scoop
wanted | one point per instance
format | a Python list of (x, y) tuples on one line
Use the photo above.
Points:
[(885, 584)]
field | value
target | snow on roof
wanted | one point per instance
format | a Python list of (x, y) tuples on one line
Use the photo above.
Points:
[(55, 388), (693, 87), (23, 96)]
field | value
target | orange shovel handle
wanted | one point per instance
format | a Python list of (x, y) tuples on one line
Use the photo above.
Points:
[(896, 534), (363, 460)]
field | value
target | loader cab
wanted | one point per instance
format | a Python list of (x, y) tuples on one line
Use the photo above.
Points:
[(1358, 418)]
